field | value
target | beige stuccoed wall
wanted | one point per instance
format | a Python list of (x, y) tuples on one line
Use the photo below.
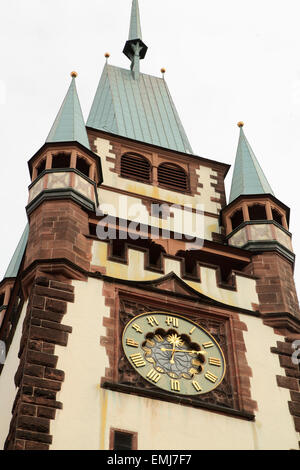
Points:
[(8, 389), (89, 412), (244, 297), (201, 201)]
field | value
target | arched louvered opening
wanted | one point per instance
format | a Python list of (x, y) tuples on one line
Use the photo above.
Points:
[(137, 167), (82, 166), (257, 212), (172, 176), (41, 167), (237, 219), (61, 160), (277, 216)]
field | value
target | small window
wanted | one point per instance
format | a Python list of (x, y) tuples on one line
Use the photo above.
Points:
[(172, 176), (83, 166), (257, 212), (155, 252), (61, 160), (122, 440), (237, 219), (93, 229), (2, 297), (276, 216), (41, 167), (136, 167), (118, 249)]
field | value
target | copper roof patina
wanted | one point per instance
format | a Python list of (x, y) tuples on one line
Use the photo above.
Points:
[(248, 176)]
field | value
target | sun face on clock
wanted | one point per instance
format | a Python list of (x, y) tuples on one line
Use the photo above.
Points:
[(174, 353)]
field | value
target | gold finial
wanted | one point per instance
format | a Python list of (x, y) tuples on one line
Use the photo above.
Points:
[(240, 124), (74, 74), (107, 55), (163, 70)]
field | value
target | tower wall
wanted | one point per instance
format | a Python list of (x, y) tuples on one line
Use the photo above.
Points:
[(275, 285)]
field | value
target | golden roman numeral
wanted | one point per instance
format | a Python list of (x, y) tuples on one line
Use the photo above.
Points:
[(192, 330), (210, 376), (175, 385), (209, 344), (158, 338), (137, 328), (214, 361), (153, 375), (197, 386), (137, 360), (152, 321), (172, 321), (132, 342)]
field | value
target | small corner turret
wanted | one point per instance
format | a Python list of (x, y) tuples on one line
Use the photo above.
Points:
[(65, 166), (257, 221)]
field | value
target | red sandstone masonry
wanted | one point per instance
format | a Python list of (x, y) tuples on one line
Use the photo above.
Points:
[(37, 378), (275, 286), (57, 230), (291, 378)]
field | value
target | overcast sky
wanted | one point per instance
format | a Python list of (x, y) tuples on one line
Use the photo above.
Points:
[(226, 61)]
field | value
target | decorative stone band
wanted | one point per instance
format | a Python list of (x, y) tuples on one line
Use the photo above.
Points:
[(51, 183), (249, 234), (37, 378)]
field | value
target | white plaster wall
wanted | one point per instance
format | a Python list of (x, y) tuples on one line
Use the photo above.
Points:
[(244, 297), (89, 412), (77, 426), (274, 427), (8, 389), (133, 208)]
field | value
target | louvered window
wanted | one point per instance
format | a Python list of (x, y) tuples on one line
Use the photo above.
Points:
[(136, 167), (172, 176)]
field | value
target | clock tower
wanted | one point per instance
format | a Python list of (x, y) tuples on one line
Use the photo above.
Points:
[(138, 294)]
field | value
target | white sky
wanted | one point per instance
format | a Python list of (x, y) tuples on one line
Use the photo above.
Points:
[(226, 61)]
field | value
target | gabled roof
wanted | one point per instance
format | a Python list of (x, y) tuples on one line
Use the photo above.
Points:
[(248, 176), (141, 109), (69, 125)]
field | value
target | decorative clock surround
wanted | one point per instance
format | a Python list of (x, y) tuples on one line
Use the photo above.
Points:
[(232, 395)]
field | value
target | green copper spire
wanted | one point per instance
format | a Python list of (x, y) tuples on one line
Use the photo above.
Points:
[(135, 30), (248, 177), (69, 124), (134, 48)]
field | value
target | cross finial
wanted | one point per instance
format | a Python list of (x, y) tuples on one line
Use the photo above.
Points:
[(134, 48)]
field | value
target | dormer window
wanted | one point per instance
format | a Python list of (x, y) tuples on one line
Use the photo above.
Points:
[(173, 177), (137, 167)]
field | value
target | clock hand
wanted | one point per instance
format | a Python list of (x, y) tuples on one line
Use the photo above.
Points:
[(173, 352), (183, 350)]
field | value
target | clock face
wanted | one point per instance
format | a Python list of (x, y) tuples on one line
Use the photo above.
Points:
[(173, 353)]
